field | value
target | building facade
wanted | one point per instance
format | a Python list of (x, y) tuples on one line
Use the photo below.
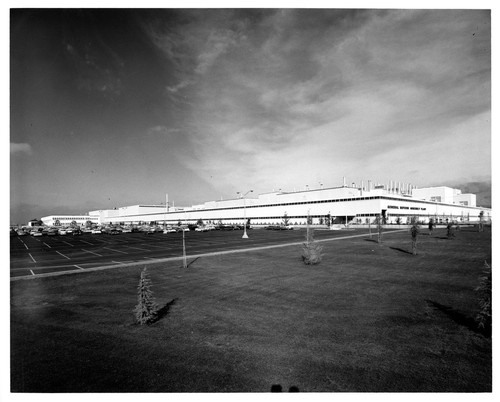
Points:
[(68, 220), (345, 204)]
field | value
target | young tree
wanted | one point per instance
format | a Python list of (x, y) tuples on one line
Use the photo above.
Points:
[(311, 251), (146, 309), (449, 230), (431, 226), (483, 317), (286, 220), (414, 231), (481, 223), (378, 220)]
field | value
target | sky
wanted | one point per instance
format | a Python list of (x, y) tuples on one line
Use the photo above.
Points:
[(118, 107)]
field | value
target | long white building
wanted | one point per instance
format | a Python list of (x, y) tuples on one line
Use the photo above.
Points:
[(396, 202), (68, 220)]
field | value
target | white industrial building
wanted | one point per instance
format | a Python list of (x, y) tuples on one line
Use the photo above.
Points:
[(395, 202), (68, 220)]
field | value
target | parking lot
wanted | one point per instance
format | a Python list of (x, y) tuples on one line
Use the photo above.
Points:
[(31, 256)]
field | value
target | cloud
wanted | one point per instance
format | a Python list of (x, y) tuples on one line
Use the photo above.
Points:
[(164, 130), (218, 43), (285, 95), (20, 148), (99, 69), (179, 86)]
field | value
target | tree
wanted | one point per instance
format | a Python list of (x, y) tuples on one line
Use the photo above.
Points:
[(483, 317), (378, 221), (286, 219), (449, 230), (311, 251), (414, 231), (481, 223), (146, 309), (199, 222), (431, 226)]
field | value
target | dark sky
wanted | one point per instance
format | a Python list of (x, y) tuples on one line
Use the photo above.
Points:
[(118, 107)]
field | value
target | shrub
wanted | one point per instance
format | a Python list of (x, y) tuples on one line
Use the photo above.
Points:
[(146, 309), (311, 251), (483, 317)]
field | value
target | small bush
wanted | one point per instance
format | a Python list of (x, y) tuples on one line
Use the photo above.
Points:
[(146, 309)]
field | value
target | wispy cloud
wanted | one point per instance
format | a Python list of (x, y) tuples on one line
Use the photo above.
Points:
[(99, 68), (163, 130), (20, 148), (296, 93), (218, 43)]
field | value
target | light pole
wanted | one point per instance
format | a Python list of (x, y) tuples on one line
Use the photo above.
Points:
[(184, 258), (245, 236)]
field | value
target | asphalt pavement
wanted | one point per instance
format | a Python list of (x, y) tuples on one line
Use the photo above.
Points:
[(48, 255)]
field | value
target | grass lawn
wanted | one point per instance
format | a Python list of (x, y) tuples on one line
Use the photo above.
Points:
[(370, 317)]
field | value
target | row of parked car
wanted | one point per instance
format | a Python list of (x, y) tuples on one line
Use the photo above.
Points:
[(52, 231), (116, 229), (279, 227)]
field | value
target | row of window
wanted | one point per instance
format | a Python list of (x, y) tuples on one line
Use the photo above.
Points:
[(301, 203), (73, 218)]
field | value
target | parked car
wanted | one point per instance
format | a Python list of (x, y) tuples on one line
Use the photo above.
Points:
[(169, 230), (62, 232), (96, 231), (22, 232)]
